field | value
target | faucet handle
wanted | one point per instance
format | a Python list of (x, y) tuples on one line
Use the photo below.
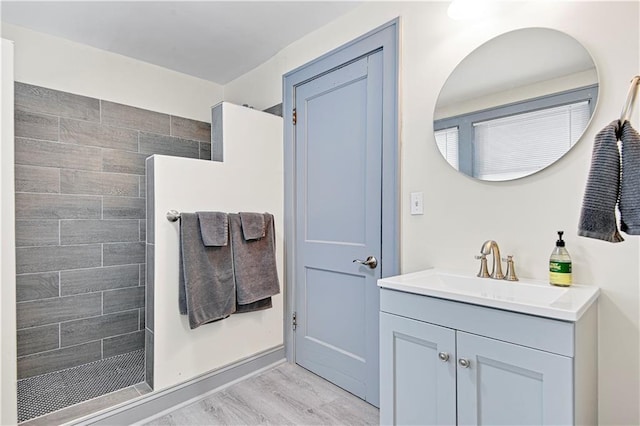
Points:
[(511, 269), (484, 271)]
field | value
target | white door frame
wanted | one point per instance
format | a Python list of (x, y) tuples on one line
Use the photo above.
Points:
[(386, 38)]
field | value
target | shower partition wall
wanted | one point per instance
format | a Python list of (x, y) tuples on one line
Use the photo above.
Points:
[(80, 233)]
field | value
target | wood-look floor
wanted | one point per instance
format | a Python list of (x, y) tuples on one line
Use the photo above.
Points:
[(285, 395)]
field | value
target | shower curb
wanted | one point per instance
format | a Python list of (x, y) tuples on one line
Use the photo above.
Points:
[(154, 405)]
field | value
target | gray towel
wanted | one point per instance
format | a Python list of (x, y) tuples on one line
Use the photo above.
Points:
[(629, 204), (598, 218), (207, 285), (255, 306), (214, 227), (254, 263), (253, 225)]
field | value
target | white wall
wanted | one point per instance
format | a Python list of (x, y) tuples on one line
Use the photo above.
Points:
[(8, 353), (61, 64), (522, 215), (249, 179)]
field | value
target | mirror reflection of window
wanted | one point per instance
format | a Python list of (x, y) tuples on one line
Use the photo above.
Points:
[(447, 141), (519, 145)]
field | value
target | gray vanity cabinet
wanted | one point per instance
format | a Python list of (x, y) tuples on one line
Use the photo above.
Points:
[(416, 387), (444, 362)]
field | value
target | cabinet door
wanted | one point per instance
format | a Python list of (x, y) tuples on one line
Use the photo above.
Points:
[(417, 372), (507, 384)]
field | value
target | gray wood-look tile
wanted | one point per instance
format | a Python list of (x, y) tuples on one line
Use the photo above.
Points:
[(123, 299), (118, 345), (95, 183), (58, 309), (98, 279), (57, 258), (53, 206), (94, 134), (37, 286), (123, 253), (98, 231), (100, 327), (85, 408), (143, 230), (119, 115), (33, 152), (36, 126), (151, 143), (216, 123), (58, 359), (217, 133), (142, 315), (37, 179), (287, 394), (54, 102), (37, 233), (123, 208), (143, 276), (148, 357), (150, 285), (123, 162), (205, 150), (275, 110), (38, 339), (143, 186), (186, 128)]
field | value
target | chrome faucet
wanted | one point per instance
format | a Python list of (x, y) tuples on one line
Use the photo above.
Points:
[(491, 247)]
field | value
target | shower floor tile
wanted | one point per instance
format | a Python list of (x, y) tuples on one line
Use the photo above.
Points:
[(50, 392)]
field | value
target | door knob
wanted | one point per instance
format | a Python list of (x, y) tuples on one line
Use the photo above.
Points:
[(444, 357), (464, 363), (371, 262)]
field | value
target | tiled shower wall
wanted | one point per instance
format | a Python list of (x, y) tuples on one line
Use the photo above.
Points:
[(80, 222)]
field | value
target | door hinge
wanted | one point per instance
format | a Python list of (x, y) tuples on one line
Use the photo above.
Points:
[(294, 321), (295, 117)]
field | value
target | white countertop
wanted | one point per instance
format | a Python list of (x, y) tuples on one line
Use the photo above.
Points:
[(524, 296)]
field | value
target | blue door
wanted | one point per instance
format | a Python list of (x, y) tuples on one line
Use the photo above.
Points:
[(338, 155)]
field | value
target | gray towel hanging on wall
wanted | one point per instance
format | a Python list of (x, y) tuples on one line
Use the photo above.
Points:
[(614, 179), (598, 215), (629, 204)]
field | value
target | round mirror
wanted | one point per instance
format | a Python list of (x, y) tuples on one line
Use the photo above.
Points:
[(516, 104)]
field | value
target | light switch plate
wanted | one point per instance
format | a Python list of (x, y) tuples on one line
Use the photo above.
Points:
[(417, 205)]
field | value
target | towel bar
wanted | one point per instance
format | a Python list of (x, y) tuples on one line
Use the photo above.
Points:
[(173, 215)]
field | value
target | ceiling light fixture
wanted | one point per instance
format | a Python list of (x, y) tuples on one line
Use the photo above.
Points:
[(468, 9)]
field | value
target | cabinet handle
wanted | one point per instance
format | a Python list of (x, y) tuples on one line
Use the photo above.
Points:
[(464, 363), (443, 356)]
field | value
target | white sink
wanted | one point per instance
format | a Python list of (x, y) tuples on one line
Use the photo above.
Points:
[(525, 296)]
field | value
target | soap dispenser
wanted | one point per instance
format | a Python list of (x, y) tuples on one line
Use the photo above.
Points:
[(560, 264)]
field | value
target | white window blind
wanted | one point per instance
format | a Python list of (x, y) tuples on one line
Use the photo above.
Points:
[(510, 147), (447, 141)]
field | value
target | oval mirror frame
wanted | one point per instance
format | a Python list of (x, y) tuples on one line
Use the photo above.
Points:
[(516, 104)]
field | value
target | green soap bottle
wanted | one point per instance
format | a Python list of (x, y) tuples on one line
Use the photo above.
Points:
[(560, 264)]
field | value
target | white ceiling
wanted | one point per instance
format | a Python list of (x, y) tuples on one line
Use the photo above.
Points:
[(214, 40)]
